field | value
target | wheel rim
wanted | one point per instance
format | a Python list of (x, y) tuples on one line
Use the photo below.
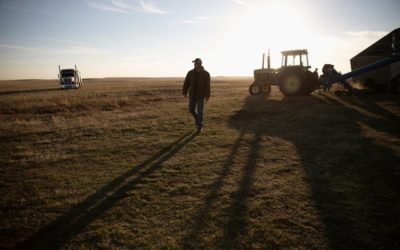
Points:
[(255, 89), (292, 84), (266, 88)]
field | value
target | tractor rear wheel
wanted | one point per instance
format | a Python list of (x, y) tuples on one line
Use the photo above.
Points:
[(255, 89), (292, 84)]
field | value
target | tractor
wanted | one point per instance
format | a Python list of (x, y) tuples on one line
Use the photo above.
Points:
[(293, 78)]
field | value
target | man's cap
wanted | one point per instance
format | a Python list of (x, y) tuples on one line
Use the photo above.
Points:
[(197, 60)]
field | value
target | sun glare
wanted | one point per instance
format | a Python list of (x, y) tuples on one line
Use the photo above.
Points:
[(274, 26)]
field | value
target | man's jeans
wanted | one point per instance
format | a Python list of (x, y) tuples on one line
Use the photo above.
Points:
[(199, 103)]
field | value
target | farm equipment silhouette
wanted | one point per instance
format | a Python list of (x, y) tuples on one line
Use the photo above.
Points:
[(294, 77)]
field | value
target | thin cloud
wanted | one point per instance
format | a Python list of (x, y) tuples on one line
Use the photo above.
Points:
[(17, 47), (138, 57), (74, 50), (151, 8), (36, 11), (203, 18), (339, 49), (199, 19), (106, 6), (55, 40), (242, 2), (187, 21), (367, 34), (125, 6), (81, 50), (356, 41)]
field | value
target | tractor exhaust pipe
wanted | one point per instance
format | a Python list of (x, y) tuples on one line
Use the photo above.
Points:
[(263, 60), (268, 61)]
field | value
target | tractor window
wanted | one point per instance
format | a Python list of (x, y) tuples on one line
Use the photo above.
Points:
[(304, 59), (293, 60)]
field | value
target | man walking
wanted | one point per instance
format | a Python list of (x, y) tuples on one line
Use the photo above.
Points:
[(197, 83)]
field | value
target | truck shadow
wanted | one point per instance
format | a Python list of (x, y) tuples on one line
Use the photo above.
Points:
[(355, 189), (15, 92), (56, 234)]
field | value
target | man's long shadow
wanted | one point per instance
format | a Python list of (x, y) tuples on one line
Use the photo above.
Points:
[(237, 221), (344, 228), (77, 218), (203, 213)]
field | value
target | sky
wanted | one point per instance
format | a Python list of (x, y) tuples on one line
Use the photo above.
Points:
[(154, 38)]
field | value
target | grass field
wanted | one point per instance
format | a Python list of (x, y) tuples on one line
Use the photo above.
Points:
[(116, 165)]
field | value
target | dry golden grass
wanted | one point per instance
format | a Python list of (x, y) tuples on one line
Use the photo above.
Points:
[(116, 165)]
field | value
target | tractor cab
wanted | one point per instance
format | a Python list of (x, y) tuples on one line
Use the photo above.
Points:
[(295, 58)]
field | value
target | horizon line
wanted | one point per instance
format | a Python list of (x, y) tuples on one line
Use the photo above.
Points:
[(121, 77)]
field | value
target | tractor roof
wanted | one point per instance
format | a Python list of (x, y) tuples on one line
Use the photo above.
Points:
[(68, 70), (294, 52)]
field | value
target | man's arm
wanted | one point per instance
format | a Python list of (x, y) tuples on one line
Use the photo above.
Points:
[(186, 84), (208, 81)]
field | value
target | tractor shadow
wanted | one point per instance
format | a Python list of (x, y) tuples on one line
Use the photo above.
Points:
[(59, 232), (353, 178)]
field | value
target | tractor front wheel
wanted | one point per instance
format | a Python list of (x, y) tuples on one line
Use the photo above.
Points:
[(255, 89)]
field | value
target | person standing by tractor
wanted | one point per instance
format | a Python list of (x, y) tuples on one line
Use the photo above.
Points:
[(197, 84)]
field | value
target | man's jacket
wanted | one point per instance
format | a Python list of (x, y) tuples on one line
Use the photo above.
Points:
[(197, 83)]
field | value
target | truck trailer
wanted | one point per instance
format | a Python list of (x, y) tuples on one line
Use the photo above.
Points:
[(386, 78)]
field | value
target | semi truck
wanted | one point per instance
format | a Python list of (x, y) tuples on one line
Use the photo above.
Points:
[(69, 78)]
